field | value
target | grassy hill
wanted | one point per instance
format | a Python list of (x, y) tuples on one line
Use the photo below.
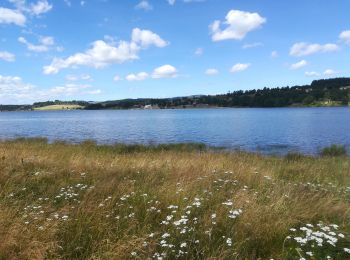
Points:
[(60, 201), (59, 107)]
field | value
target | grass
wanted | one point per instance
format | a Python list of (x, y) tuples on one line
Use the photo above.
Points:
[(63, 201), (59, 107)]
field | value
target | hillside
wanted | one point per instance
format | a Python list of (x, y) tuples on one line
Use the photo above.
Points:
[(326, 92), (330, 92)]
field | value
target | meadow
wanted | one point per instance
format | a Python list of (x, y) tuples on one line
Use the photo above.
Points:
[(85, 201)]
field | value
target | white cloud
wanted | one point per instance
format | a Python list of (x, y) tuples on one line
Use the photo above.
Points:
[(329, 72), (211, 72), (146, 38), (13, 86), (9, 16), (274, 54), (165, 71), (239, 67), (41, 7), (82, 3), (199, 51), (14, 91), (252, 45), (238, 24), (298, 65), (45, 44), (312, 74), (137, 77), (86, 77), (172, 2), (102, 53), (345, 37), (116, 78), (144, 5), (7, 56), (303, 49)]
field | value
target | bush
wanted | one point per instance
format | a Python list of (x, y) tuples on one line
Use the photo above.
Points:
[(334, 150)]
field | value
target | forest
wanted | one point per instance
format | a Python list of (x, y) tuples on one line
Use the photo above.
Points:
[(324, 92)]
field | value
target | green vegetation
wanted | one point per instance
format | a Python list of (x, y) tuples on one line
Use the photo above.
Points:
[(65, 201), (334, 150), (330, 92), (325, 93)]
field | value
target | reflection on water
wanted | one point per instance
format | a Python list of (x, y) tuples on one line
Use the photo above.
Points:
[(277, 130)]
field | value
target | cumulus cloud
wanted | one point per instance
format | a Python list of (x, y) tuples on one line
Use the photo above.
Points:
[(137, 77), (165, 71), (14, 90), (146, 38), (298, 65), (144, 5), (238, 25), (40, 7), (102, 53), (304, 49), (345, 37), (211, 72), (312, 74), (9, 16), (13, 86), (330, 72), (45, 44), (35, 9), (239, 67), (7, 56)]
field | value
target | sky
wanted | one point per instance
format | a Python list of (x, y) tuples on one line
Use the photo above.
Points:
[(97, 50)]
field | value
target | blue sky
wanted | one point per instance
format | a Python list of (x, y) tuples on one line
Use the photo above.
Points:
[(104, 49)]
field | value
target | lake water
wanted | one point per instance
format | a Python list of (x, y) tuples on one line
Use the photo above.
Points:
[(270, 131)]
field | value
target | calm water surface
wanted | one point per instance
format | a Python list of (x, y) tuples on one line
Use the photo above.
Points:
[(273, 131)]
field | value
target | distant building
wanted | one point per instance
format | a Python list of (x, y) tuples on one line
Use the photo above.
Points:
[(151, 107)]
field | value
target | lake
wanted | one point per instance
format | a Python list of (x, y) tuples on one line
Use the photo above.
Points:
[(266, 130)]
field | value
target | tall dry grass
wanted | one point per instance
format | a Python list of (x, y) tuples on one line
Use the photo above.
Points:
[(62, 201)]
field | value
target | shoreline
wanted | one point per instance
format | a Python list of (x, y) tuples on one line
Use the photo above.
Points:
[(177, 108)]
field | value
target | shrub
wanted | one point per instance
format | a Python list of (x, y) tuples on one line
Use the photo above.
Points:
[(334, 150)]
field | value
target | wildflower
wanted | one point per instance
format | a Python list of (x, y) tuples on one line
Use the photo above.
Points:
[(133, 253), (183, 245), (347, 250), (309, 253), (228, 203), (165, 235), (229, 241)]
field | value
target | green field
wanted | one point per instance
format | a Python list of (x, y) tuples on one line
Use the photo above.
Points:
[(62, 201)]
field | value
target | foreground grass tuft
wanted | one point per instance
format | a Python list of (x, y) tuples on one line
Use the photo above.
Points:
[(63, 201)]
